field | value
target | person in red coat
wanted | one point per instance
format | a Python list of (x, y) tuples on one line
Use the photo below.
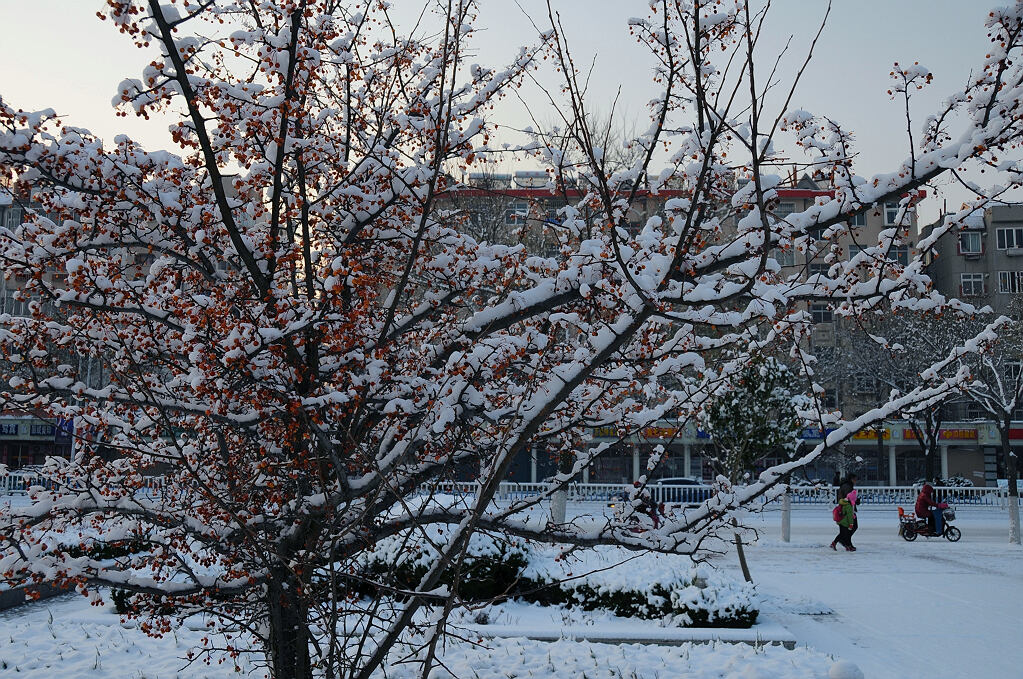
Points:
[(927, 507)]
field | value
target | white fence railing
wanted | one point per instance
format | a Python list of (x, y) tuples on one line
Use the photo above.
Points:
[(22, 482), (801, 495)]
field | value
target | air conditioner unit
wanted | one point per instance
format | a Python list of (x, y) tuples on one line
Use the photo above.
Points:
[(1014, 252)]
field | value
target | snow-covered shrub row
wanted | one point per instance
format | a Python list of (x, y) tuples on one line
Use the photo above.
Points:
[(652, 586), (669, 588), (491, 568)]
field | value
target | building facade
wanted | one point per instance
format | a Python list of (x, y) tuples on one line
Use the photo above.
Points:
[(983, 263), (890, 455)]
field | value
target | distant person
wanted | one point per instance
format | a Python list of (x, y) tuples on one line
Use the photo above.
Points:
[(845, 518), (652, 509)]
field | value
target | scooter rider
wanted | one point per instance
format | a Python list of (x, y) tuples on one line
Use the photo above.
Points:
[(928, 507)]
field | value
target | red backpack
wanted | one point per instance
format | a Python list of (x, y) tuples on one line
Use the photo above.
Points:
[(836, 513)]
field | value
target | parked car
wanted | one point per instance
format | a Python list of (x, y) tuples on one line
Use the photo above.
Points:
[(680, 490)]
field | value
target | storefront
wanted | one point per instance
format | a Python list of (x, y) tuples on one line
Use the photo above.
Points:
[(888, 455), (26, 440)]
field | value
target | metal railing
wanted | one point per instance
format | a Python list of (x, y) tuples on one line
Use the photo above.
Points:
[(800, 495), (902, 495), (13, 483), (22, 482)]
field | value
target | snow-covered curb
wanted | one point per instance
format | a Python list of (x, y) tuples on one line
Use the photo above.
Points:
[(765, 632)]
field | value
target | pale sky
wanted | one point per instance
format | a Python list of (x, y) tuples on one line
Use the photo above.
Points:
[(58, 54)]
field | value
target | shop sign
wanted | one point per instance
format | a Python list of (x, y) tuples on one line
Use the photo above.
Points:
[(871, 435), (959, 434), (41, 429), (815, 432), (64, 431), (660, 432), (8, 429), (946, 435), (606, 432)]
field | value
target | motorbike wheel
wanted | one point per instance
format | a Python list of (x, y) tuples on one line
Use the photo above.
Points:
[(908, 534), (952, 534)]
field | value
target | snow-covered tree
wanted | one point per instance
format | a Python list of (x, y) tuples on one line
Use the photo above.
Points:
[(756, 417), (997, 388), (302, 345), (884, 354)]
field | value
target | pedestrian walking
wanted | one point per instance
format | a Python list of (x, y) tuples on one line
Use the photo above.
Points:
[(844, 516), (854, 499)]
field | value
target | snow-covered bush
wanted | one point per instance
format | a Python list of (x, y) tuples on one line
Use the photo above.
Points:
[(698, 597), (496, 567), (958, 482), (491, 567)]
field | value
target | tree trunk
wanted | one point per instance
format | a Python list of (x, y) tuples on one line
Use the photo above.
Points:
[(929, 454), (559, 506), (741, 553), (288, 651), (1011, 473), (559, 500)]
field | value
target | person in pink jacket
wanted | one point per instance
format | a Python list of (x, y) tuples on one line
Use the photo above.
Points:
[(854, 501)]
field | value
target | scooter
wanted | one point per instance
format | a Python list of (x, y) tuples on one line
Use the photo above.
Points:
[(910, 526)]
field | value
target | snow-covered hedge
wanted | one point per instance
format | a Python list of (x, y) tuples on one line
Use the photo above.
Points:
[(647, 586), (491, 569), (652, 586)]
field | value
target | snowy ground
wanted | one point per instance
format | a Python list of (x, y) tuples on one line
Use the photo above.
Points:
[(895, 609), (898, 609)]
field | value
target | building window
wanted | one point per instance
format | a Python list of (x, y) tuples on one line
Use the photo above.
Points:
[(783, 210), (819, 269), (785, 257), (516, 212), (12, 217), (891, 213), (974, 411), (830, 399), (13, 302), (900, 254), (820, 313), (971, 284), (970, 243), (1013, 369), (859, 219), (1010, 282), (1009, 238), (854, 250), (552, 216), (863, 383)]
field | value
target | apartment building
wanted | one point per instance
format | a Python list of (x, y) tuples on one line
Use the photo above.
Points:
[(25, 438), (518, 208), (982, 263)]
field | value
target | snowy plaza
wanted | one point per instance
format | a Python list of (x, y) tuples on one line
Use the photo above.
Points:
[(893, 609), (545, 339)]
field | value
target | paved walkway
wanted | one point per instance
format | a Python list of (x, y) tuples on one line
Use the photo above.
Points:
[(929, 608)]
